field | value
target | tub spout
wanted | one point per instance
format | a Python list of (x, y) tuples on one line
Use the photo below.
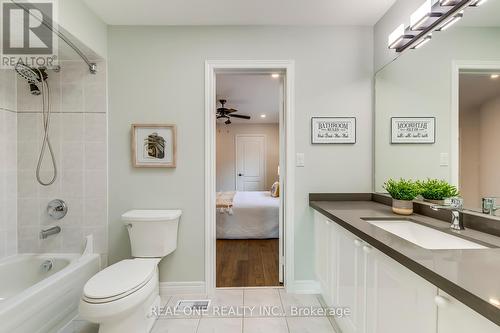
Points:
[(49, 232)]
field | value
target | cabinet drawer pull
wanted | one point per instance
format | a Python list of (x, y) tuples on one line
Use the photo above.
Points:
[(441, 301), (367, 249), (358, 243)]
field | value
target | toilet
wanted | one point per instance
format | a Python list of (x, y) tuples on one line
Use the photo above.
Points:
[(123, 297)]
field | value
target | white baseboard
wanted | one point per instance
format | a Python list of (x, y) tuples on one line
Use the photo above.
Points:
[(199, 287), (182, 288), (305, 287)]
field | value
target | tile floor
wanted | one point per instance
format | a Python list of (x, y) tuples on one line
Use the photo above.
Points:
[(250, 317), (254, 310)]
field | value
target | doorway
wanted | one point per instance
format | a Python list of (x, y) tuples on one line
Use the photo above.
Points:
[(479, 120), (233, 259), (475, 104)]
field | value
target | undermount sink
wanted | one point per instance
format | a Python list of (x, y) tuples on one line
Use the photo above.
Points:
[(423, 236)]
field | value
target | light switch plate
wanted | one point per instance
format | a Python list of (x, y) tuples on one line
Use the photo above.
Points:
[(444, 159), (300, 160)]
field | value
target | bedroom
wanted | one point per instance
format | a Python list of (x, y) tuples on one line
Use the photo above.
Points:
[(247, 179)]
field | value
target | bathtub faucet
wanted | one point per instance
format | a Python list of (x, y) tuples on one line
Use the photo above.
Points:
[(49, 232)]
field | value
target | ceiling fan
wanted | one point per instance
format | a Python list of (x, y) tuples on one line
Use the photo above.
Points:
[(225, 113)]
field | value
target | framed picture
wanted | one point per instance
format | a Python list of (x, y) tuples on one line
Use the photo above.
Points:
[(413, 130), (326, 130), (153, 146)]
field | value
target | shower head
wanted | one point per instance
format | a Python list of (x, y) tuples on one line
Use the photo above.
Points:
[(34, 89), (32, 75)]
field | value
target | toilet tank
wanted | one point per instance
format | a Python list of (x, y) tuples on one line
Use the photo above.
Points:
[(153, 233)]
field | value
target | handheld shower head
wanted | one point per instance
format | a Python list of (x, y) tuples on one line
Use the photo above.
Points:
[(32, 75), (34, 89)]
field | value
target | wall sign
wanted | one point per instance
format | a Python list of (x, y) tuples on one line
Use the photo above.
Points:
[(153, 146), (333, 130), (413, 130)]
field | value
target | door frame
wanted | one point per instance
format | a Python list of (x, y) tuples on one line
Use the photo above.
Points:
[(236, 155), (287, 172), (457, 66)]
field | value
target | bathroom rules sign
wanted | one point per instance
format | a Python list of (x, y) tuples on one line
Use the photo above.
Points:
[(413, 130), (333, 130)]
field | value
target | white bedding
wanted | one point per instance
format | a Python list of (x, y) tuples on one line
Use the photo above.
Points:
[(255, 216)]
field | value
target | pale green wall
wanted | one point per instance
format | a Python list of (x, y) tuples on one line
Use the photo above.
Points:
[(156, 75), (419, 84), (82, 23)]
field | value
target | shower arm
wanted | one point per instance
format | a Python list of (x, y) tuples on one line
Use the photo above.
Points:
[(92, 65)]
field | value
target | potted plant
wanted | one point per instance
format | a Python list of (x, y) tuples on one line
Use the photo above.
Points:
[(402, 192), (435, 190)]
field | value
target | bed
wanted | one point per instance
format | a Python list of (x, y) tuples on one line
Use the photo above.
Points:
[(254, 215)]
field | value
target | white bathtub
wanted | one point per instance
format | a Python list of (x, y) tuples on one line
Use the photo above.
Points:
[(33, 300)]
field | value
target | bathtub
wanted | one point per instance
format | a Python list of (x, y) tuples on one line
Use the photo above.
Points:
[(36, 300)]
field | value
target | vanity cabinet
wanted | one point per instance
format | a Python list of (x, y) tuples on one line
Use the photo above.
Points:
[(323, 255), (383, 296), (396, 297), (455, 317), (349, 270)]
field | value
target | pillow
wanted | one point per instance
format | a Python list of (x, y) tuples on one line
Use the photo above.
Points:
[(275, 190)]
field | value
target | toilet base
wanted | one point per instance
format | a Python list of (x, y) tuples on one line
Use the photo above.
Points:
[(139, 321)]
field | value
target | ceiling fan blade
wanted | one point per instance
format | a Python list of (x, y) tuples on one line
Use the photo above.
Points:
[(231, 110), (239, 116)]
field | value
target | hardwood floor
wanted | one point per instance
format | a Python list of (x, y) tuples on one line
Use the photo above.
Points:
[(247, 263)]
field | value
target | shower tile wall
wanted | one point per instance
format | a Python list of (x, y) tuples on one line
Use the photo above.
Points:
[(78, 133), (8, 164)]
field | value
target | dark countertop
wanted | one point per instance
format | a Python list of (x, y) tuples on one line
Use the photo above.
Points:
[(471, 276)]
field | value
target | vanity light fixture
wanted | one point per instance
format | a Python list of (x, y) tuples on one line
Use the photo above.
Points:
[(275, 75), (433, 15), (454, 19), (422, 42), (495, 76), (477, 3), (263, 116), (398, 37), (449, 2), (423, 17)]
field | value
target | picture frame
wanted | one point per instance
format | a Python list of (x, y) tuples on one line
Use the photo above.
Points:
[(413, 130), (154, 145), (333, 130)]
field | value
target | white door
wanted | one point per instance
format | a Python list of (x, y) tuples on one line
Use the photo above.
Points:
[(250, 163), (282, 165)]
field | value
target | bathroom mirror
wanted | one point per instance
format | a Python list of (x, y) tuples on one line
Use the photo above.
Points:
[(437, 110)]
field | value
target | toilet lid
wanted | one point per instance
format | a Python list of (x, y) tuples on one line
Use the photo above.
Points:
[(120, 278)]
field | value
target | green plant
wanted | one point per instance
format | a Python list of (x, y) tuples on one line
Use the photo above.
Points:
[(435, 189), (402, 189)]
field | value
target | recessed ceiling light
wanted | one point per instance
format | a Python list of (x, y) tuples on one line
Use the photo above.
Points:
[(263, 116), (275, 75), (495, 76)]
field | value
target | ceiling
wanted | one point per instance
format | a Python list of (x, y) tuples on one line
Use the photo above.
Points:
[(476, 89), (251, 94), (240, 12)]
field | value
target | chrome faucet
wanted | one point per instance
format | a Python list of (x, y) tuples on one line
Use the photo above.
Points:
[(489, 205), (456, 206), (49, 232), (47, 265)]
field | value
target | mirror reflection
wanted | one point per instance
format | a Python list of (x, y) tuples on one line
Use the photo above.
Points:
[(437, 111)]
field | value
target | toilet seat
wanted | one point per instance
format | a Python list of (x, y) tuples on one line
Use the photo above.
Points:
[(119, 280)]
